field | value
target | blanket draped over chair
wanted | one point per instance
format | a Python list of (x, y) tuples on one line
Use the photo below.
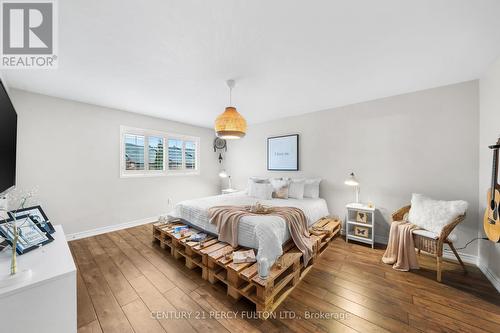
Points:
[(400, 250), (226, 218)]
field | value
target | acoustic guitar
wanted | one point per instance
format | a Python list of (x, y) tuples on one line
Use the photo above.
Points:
[(491, 222)]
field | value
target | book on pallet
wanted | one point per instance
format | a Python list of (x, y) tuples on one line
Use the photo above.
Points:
[(244, 256)]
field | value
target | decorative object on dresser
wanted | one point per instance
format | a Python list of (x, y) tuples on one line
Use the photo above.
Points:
[(283, 153), (29, 235), (21, 233), (353, 181), (230, 124), (46, 302), (437, 219), (491, 220), (37, 215), (360, 223)]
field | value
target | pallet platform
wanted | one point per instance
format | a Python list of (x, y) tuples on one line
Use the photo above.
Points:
[(215, 260)]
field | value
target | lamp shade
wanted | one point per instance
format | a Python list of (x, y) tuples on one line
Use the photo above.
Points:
[(351, 180), (230, 124), (223, 174)]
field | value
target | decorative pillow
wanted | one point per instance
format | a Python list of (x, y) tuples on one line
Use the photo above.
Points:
[(262, 191), (259, 180), (296, 188), (311, 188), (280, 188), (255, 180), (433, 215)]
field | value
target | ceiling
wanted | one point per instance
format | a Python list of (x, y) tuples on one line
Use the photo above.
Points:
[(171, 58)]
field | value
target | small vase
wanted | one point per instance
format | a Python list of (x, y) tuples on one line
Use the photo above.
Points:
[(263, 268)]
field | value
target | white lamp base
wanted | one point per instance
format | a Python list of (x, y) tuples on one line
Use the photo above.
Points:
[(21, 276)]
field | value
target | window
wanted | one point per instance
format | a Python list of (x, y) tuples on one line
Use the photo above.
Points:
[(154, 153)]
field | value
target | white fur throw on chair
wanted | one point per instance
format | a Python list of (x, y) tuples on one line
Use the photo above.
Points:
[(433, 215)]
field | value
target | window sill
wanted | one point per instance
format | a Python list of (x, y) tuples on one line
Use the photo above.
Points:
[(165, 174)]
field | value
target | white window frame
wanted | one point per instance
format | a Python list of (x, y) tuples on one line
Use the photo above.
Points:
[(124, 130)]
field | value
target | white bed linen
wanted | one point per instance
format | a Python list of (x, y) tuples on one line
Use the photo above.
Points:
[(265, 233)]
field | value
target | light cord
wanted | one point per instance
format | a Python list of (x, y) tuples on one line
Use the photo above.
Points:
[(474, 239)]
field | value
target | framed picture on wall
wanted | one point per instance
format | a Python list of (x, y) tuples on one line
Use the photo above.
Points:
[(283, 153)]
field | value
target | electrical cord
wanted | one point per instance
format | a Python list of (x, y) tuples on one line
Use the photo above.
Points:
[(474, 239)]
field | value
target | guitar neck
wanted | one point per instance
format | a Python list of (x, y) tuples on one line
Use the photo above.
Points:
[(494, 170)]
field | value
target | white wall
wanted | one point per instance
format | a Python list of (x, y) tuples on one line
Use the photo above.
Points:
[(70, 152), (424, 142), (489, 132)]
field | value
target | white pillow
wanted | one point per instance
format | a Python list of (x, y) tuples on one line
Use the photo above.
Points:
[(253, 180), (296, 188), (262, 191), (433, 215), (311, 188), (259, 180)]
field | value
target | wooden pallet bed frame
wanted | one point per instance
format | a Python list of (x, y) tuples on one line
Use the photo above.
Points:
[(215, 260)]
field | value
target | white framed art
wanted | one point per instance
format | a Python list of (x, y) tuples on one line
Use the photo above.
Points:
[(283, 153)]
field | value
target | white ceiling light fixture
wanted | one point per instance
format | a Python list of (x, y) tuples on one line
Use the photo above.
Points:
[(230, 124)]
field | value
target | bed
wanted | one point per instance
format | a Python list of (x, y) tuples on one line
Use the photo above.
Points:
[(266, 233)]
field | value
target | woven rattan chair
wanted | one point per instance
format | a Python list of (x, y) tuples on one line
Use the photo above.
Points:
[(433, 245)]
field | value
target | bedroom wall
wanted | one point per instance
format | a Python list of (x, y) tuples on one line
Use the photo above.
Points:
[(424, 142), (489, 132), (70, 152)]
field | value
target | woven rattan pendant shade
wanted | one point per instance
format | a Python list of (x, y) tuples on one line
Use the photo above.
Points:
[(230, 124)]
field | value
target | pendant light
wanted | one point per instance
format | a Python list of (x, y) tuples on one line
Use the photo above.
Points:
[(230, 124)]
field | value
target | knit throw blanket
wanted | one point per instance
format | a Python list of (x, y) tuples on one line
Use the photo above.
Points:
[(226, 218), (400, 252)]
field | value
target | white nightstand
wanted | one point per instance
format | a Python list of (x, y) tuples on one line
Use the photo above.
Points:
[(229, 191), (360, 223)]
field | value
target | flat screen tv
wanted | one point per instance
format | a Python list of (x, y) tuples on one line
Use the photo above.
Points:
[(8, 141)]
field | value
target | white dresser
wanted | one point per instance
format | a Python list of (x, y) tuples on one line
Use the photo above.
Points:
[(47, 301)]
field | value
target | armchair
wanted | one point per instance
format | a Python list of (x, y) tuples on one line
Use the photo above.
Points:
[(433, 243)]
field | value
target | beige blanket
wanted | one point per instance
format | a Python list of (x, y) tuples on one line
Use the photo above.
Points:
[(226, 218), (400, 252)]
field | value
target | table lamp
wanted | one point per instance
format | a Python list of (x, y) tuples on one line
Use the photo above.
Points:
[(352, 181), (224, 174)]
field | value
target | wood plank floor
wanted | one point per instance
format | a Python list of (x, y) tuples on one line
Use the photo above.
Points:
[(127, 284)]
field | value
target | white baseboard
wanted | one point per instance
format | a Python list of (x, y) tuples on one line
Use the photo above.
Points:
[(490, 275), (109, 228), (467, 258)]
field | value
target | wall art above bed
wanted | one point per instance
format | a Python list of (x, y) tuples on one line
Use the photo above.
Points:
[(283, 153)]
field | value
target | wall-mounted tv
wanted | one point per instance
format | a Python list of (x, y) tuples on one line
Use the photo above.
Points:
[(8, 141)]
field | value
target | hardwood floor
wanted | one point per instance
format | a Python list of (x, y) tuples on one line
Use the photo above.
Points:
[(124, 281)]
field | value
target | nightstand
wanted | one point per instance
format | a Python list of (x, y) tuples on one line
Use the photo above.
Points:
[(360, 223), (229, 191)]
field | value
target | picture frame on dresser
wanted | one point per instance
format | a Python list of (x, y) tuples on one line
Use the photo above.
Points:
[(31, 236), (283, 153), (37, 214)]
